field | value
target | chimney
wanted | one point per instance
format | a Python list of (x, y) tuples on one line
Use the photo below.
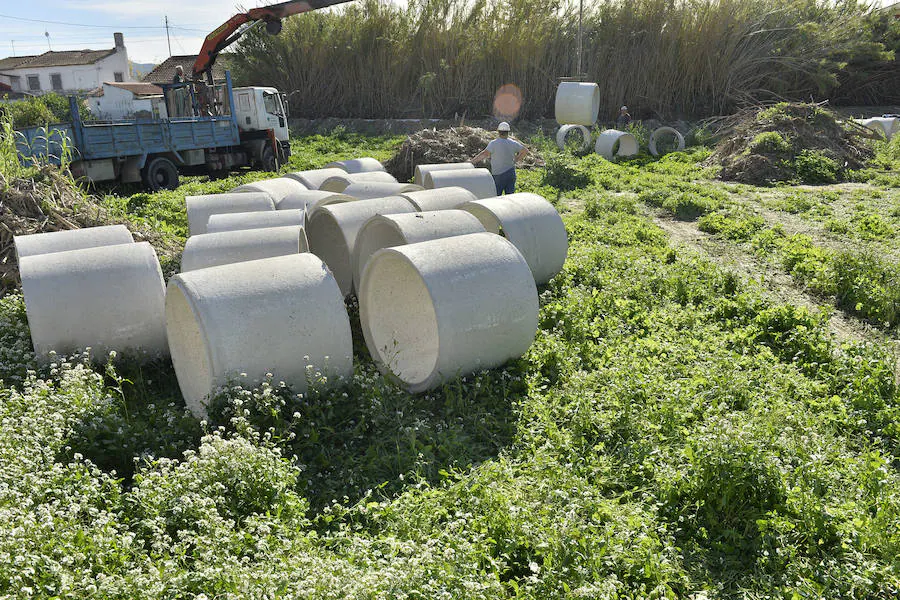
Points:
[(120, 41)]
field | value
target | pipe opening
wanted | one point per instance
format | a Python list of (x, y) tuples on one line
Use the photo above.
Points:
[(400, 323)]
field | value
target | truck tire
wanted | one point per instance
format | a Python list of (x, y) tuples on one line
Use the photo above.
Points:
[(268, 160), (160, 174)]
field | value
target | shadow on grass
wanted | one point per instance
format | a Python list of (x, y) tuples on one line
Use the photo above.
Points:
[(142, 415), (366, 434)]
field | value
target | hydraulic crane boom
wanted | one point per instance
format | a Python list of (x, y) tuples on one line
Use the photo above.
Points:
[(232, 29)]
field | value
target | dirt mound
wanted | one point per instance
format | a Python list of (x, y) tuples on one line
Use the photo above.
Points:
[(50, 201), (788, 142), (435, 146)]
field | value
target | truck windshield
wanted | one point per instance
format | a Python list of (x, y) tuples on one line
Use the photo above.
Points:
[(271, 103)]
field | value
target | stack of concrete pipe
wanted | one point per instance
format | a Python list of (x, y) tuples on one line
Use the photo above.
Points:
[(439, 295), (92, 288), (577, 108)]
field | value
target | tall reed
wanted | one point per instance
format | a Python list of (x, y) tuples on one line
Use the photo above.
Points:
[(448, 57)]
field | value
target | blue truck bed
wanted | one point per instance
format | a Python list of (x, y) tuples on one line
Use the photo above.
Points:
[(127, 138)]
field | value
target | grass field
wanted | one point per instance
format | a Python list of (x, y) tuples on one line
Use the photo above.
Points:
[(710, 410)]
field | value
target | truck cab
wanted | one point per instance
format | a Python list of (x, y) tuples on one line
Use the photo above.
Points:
[(261, 109)]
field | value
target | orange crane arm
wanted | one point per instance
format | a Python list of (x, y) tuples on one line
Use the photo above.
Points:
[(229, 31)]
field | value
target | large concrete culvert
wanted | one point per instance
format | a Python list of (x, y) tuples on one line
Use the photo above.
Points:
[(106, 298), (72, 239), (386, 231), (439, 199), (478, 181), (240, 322), (436, 310), (577, 103), (614, 143), (422, 170), (255, 220), (278, 187), (227, 247), (532, 224), (199, 208), (333, 232), (365, 164)]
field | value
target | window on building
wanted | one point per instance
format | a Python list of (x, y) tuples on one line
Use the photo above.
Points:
[(119, 76), (34, 83), (15, 82), (56, 82)]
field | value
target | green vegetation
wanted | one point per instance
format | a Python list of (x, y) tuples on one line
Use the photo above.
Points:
[(671, 433), (692, 58), (42, 110)]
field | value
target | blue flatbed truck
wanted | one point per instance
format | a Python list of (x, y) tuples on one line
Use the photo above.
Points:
[(241, 127)]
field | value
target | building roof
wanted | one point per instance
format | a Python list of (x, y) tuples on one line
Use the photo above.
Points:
[(137, 88), (55, 59), (165, 71), (68, 57), (13, 61)]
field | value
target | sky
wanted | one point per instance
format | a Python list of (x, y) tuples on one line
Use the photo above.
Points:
[(78, 24)]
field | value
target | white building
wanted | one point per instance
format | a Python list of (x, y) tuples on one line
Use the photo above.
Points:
[(66, 71), (131, 100)]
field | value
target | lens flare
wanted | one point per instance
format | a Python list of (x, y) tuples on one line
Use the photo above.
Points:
[(507, 102)]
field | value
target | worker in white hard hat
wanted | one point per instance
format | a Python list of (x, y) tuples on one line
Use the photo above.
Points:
[(504, 152), (624, 118)]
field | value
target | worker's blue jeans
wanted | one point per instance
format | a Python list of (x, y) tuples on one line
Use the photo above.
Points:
[(506, 182)]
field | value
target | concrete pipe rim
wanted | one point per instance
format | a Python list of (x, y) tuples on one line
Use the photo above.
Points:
[(422, 299), (665, 130), (564, 132), (195, 389)]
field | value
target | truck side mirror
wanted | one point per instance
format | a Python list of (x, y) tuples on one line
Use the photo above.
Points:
[(284, 103)]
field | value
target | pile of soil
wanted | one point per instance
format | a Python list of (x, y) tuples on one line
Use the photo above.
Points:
[(750, 153), (435, 146), (50, 201)]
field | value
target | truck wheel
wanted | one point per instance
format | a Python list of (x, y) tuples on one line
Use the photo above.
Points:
[(269, 160), (160, 174)]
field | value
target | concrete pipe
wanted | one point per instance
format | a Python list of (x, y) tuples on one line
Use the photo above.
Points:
[(577, 103), (106, 298), (278, 188), (255, 220), (440, 309), (311, 200), (531, 224), (440, 199), (613, 142), (339, 183), (387, 231), (357, 165), (227, 247), (478, 181), (886, 126), (281, 315), (679, 139), (333, 231), (313, 178), (582, 131), (73, 239), (367, 190), (421, 170), (199, 208)]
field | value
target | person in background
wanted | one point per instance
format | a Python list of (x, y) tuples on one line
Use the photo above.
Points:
[(181, 93), (504, 152), (178, 77), (624, 119)]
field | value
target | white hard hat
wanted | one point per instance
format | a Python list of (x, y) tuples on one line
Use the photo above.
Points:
[(624, 108), (503, 126)]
